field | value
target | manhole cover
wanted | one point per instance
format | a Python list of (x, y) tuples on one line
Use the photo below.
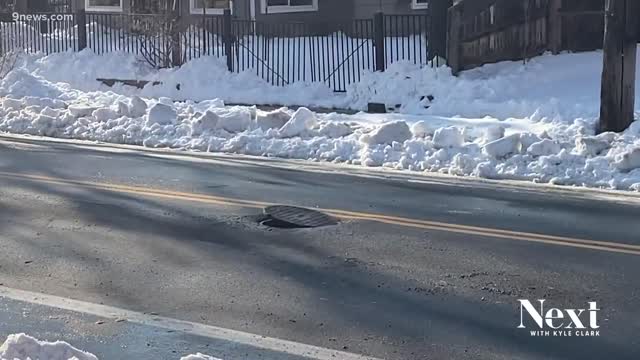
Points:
[(298, 217)]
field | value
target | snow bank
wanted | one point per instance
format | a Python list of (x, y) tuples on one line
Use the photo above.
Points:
[(561, 87), (548, 88), (534, 122), (25, 347)]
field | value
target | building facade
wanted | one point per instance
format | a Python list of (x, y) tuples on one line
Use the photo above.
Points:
[(261, 10)]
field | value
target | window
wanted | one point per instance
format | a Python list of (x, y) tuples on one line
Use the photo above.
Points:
[(285, 6), (103, 5), (7, 6), (215, 7), (60, 6), (150, 6), (420, 4)]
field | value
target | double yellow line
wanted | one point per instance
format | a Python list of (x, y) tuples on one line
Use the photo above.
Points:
[(342, 214)]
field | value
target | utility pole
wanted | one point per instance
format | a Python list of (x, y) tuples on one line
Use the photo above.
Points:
[(619, 65)]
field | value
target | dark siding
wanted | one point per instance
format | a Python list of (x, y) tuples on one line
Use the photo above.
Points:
[(126, 5), (241, 9), (328, 11), (364, 9)]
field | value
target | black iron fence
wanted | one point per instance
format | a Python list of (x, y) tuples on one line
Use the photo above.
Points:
[(41, 32), (282, 53)]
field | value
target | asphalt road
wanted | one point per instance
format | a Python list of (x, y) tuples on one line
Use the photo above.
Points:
[(363, 286)]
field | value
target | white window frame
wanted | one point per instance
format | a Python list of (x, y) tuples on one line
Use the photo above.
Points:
[(416, 5), (209, 11), (89, 7), (280, 9)]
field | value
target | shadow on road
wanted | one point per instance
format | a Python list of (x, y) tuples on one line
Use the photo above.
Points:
[(387, 312)]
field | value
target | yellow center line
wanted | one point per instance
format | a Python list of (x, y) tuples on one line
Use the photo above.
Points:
[(343, 214)]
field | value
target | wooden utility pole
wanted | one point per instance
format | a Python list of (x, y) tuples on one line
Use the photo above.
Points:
[(378, 41), (619, 67)]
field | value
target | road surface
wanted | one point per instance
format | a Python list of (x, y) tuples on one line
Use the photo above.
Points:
[(417, 268)]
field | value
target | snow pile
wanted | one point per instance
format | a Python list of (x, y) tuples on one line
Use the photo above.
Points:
[(396, 131), (520, 123), (299, 124), (448, 137), (561, 87), (199, 356), (201, 79), (548, 88), (25, 347), (503, 147)]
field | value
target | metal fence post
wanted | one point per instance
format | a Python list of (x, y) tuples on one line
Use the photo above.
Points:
[(437, 29), (175, 32), (81, 21), (454, 39), (555, 26), (378, 41), (227, 38)]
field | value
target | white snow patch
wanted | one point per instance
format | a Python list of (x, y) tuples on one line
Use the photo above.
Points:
[(81, 110), (207, 122), (199, 356), (300, 123), (629, 160), (591, 145), (544, 147), (335, 130), (12, 104), (105, 114), (137, 107), (527, 139), (493, 133), (422, 129), (501, 148), (235, 120), (396, 131), (272, 119), (448, 137), (24, 347), (161, 114)]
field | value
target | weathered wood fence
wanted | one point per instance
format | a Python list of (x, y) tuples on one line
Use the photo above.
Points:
[(487, 31)]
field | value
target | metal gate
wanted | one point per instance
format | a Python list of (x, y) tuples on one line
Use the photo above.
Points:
[(335, 54)]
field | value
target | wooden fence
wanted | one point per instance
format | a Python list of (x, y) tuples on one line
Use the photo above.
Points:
[(487, 31)]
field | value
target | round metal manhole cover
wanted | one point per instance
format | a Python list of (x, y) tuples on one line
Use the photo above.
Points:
[(298, 217)]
